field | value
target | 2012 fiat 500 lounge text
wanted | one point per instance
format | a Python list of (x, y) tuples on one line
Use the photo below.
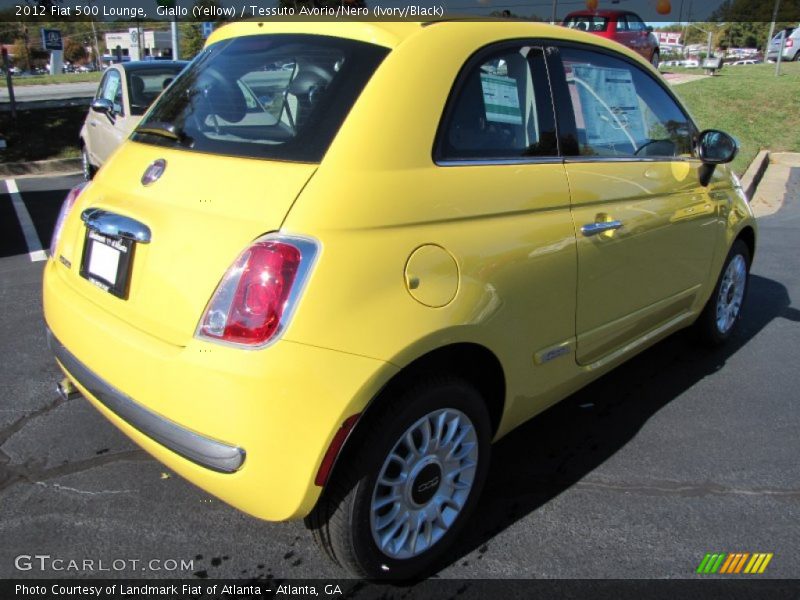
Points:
[(335, 262)]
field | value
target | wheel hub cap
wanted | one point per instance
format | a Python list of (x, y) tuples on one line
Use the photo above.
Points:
[(423, 486), (731, 293), (424, 483)]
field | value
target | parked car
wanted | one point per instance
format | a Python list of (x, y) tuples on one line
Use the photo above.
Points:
[(791, 47), (624, 27), (746, 61), (123, 96), (327, 306)]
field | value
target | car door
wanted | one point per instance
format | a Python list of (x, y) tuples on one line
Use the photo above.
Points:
[(638, 35), (504, 190), (644, 223), (623, 33), (106, 131)]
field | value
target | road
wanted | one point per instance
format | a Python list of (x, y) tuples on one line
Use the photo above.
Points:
[(681, 452), (56, 91)]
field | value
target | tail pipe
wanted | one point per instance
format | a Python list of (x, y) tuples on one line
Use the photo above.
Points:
[(66, 389)]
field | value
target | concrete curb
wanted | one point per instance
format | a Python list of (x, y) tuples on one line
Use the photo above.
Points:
[(752, 177), (41, 167)]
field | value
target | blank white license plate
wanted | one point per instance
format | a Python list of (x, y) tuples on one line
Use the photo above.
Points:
[(103, 262), (107, 262)]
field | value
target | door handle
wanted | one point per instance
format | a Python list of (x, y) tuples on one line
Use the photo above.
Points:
[(591, 229)]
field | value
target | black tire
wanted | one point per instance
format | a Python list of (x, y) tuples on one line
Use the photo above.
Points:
[(341, 521), (88, 169), (655, 60), (707, 325)]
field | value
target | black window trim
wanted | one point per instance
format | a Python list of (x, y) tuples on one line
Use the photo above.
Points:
[(566, 116), (562, 109), (474, 60)]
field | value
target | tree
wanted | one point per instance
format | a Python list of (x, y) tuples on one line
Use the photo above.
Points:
[(22, 54), (191, 40), (74, 51)]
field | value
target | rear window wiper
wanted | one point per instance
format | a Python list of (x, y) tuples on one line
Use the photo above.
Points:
[(167, 130)]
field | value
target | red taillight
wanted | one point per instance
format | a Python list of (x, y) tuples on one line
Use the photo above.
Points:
[(255, 297), (789, 43), (66, 207)]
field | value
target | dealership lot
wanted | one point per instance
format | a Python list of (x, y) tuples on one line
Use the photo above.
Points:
[(679, 453)]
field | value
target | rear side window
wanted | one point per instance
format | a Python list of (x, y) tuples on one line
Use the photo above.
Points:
[(634, 23), (501, 108), (145, 86), (620, 111), (278, 97), (587, 23)]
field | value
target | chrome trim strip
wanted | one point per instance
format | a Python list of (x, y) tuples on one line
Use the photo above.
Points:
[(475, 162), (627, 159), (201, 450), (595, 228), (115, 225)]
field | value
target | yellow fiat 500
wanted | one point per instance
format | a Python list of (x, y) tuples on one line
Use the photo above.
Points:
[(334, 262)]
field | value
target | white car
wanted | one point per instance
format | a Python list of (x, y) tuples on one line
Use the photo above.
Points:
[(125, 93)]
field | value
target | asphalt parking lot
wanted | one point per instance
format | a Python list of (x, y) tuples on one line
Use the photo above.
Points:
[(681, 452)]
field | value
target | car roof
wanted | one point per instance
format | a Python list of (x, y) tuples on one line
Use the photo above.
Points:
[(388, 34), (392, 34)]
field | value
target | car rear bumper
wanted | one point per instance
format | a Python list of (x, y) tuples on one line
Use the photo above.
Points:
[(197, 448), (249, 427)]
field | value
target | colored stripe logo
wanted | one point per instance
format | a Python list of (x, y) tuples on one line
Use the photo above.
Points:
[(734, 563)]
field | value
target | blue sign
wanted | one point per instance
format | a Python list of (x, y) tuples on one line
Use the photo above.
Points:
[(51, 39), (207, 29)]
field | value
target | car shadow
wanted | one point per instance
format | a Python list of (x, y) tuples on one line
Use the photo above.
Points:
[(546, 456)]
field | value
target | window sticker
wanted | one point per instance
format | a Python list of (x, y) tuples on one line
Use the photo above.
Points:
[(610, 105), (500, 99)]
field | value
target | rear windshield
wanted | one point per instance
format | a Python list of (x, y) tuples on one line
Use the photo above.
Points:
[(145, 85), (278, 97), (587, 23)]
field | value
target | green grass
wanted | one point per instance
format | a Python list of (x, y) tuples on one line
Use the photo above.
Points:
[(762, 111), (48, 79), (41, 134)]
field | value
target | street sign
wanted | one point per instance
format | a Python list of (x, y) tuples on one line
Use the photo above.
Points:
[(208, 28), (51, 39)]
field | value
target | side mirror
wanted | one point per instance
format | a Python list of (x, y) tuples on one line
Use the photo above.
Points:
[(102, 105), (714, 148)]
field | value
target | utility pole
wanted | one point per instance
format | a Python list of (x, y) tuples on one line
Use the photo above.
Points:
[(175, 45), (555, 11), (98, 60), (9, 83), (780, 54), (772, 27)]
